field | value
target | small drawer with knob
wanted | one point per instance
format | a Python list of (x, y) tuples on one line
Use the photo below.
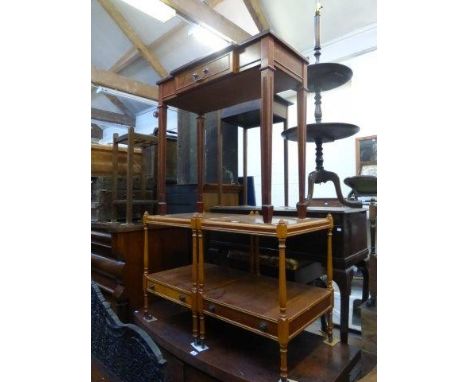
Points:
[(242, 319), (174, 294), (207, 71)]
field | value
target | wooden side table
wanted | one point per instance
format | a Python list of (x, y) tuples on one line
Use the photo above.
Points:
[(256, 69)]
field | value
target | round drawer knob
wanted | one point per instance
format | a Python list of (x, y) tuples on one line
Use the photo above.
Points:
[(263, 326), (195, 76), (182, 298), (211, 308), (205, 71)]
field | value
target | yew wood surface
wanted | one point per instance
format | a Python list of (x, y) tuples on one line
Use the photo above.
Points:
[(237, 355)]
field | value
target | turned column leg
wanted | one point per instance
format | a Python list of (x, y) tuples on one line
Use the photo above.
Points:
[(283, 324), (200, 161), (201, 285), (162, 143), (283, 363), (194, 280), (146, 314)]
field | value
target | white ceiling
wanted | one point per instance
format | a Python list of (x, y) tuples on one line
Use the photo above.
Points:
[(292, 20)]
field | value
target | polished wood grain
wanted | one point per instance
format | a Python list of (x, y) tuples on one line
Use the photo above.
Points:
[(301, 142), (258, 68), (200, 160), (266, 306), (117, 260), (235, 355), (349, 245), (161, 154)]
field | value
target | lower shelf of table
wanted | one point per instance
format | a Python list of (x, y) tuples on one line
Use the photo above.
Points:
[(237, 355), (244, 299)]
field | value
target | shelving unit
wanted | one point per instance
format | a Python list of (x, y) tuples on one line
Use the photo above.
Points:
[(132, 140), (273, 308)]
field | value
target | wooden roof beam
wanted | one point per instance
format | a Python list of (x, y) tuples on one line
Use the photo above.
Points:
[(257, 14), (108, 116), (125, 27), (133, 54), (111, 80), (120, 105), (197, 12)]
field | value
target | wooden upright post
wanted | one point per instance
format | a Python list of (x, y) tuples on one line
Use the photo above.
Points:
[(130, 148), (162, 127), (115, 174), (200, 161), (201, 283), (194, 225), (145, 268), (330, 279), (283, 325), (219, 155), (266, 123), (286, 163), (301, 142), (244, 163)]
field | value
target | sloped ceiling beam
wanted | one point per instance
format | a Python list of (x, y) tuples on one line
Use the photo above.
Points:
[(108, 116), (133, 54), (212, 3), (133, 37), (120, 105), (197, 12), (257, 14), (114, 81)]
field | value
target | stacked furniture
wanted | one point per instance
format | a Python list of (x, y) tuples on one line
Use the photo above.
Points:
[(274, 308)]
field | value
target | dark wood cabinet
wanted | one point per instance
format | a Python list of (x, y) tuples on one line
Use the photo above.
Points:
[(117, 260)]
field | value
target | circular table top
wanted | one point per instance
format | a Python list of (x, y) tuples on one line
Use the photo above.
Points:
[(327, 76), (326, 132)]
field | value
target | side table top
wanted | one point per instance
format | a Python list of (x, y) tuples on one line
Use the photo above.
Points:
[(253, 224)]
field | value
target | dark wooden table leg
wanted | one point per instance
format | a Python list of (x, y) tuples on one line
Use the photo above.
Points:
[(244, 163), (200, 161), (130, 148), (364, 268), (115, 174), (301, 143), (286, 164), (266, 124), (162, 115), (344, 278)]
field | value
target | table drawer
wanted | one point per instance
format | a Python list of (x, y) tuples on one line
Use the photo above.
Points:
[(243, 319), (171, 293), (206, 72)]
